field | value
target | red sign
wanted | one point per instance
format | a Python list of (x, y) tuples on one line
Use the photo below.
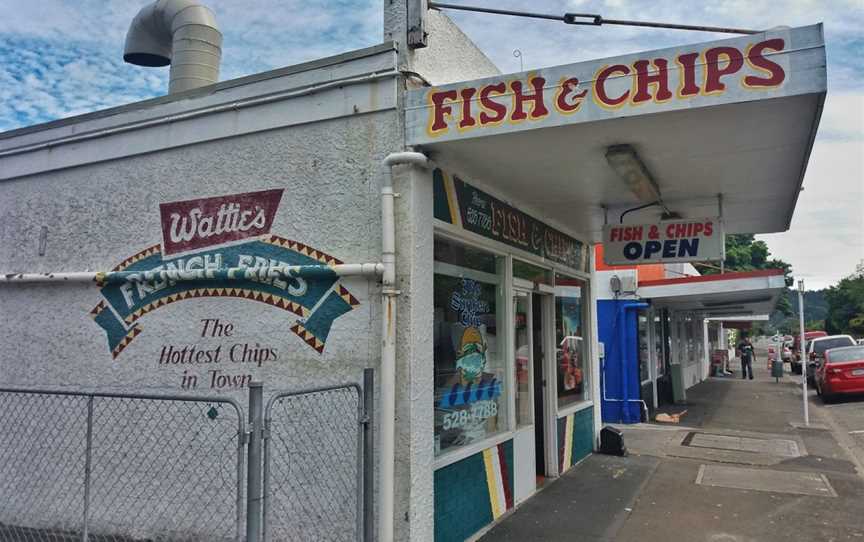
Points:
[(200, 223)]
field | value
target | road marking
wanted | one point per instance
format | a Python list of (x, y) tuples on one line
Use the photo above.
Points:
[(861, 432)]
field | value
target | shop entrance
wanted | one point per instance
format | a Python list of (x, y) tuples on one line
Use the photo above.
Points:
[(531, 327), (539, 388)]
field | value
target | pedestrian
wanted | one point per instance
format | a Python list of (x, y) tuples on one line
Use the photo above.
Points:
[(745, 350)]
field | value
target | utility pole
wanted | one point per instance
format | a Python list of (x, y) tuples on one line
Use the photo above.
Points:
[(802, 351)]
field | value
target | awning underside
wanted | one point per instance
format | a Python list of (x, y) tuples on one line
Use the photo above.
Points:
[(753, 153), (737, 294)]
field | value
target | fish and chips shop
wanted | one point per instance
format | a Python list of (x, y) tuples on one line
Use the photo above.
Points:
[(406, 209)]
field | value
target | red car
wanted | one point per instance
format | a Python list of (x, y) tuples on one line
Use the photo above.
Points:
[(841, 371), (795, 360)]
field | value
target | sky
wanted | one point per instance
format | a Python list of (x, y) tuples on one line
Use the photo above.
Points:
[(60, 58)]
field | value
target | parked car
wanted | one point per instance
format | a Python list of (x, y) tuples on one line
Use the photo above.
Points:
[(795, 360), (817, 347), (841, 371)]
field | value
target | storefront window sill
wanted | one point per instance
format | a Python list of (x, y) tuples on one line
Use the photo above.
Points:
[(570, 409), (448, 458)]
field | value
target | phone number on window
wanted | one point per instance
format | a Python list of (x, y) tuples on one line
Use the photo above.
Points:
[(478, 412)]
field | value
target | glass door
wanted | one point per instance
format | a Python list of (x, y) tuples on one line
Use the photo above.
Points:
[(523, 351)]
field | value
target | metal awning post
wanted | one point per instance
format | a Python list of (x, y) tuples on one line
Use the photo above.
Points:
[(801, 350)]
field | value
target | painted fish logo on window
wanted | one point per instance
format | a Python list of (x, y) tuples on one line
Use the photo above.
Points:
[(468, 303)]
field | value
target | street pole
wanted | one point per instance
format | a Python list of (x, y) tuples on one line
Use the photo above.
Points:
[(801, 350)]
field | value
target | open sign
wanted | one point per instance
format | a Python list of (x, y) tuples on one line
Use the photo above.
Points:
[(697, 239)]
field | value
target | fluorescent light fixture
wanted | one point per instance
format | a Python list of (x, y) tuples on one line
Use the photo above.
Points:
[(629, 167)]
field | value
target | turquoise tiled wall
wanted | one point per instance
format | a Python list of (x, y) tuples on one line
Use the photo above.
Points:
[(462, 501)]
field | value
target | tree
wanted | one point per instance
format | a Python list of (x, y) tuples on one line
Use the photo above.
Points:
[(846, 304), (745, 253)]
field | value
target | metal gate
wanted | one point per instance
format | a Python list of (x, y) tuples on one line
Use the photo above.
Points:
[(112, 467), (317, 480), (120, 467)]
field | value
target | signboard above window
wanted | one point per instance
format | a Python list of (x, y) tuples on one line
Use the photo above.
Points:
[(469, 208), (691, 240), (777, 63)]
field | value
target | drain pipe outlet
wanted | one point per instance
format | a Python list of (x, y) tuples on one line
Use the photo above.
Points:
[(387, 455), (182, 33)]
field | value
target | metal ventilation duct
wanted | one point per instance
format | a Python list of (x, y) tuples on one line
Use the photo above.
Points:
[(181, 33)]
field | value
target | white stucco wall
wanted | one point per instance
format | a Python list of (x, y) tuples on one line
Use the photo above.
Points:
[(102, 211), (99, 201), (450, 56), (98, 215), (415, 445)]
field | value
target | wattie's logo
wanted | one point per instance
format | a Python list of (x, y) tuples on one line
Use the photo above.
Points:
[(196, 224), (221, 247)]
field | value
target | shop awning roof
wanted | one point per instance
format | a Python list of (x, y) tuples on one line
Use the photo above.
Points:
[(730, 294), (749, 140)]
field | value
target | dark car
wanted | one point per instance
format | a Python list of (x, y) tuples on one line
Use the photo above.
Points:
[(841, 371)]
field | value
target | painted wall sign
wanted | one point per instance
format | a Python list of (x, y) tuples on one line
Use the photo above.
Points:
[(783, 62), (460, 204), (697, 239), (200, 223), (261, 269)]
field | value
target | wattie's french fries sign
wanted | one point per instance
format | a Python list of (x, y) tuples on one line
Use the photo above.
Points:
[(772, 64), (693, 240)]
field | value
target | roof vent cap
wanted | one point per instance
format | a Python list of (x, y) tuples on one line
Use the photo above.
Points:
[(182, 33)]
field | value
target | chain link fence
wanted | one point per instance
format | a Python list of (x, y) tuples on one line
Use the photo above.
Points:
[(111, 467), (103, 467), (314, 465)]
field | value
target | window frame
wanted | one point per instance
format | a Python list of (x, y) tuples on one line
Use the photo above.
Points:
[(451, 270), (452, 233)]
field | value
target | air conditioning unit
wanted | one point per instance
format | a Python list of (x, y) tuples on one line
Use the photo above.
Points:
[(623, 285)]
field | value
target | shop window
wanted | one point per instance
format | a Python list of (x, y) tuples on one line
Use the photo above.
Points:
[(464, 256), (691, 340), (469, 365), (643, 346), (659, 341), (570, 340), (532, 273), (522, 350)]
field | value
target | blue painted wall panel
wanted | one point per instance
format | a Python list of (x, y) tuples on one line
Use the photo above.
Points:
[(621, 381)]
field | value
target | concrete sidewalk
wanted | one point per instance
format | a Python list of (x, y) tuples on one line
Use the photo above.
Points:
[(739, 468)]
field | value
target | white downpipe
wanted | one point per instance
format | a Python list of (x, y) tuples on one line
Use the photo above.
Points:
[(640, 401), (387, 449), (235, 273)]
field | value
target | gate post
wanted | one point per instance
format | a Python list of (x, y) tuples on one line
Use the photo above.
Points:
[(368, 454), (88, 469), (253, 478)]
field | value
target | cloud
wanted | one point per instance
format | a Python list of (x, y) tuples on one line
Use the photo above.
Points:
[(60, 58), (826, 240)]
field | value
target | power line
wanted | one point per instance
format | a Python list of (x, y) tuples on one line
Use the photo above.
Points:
[(591, 19)]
